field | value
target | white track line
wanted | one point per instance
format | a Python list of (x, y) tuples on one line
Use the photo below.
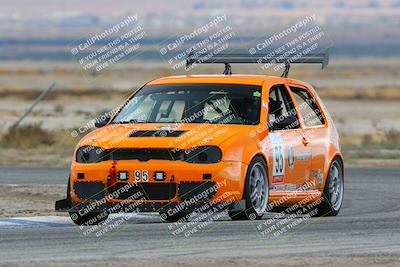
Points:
[(63, 221)]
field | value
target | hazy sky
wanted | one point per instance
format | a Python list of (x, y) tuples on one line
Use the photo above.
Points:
[(37, 8), (40, 8)]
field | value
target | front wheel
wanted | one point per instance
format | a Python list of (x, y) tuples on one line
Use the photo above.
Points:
[(332, 198), (255, 192)]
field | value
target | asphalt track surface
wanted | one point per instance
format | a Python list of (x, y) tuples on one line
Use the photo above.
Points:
[(368, 224)]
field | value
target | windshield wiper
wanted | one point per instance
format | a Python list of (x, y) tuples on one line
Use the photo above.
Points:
[(130, 121)]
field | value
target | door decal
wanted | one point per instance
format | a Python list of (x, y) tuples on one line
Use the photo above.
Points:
[(278, 158)]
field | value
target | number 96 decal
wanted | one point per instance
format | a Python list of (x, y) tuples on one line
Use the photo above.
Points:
[(141, 176)]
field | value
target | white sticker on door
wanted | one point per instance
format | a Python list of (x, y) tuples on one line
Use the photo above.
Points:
[(278, 157)]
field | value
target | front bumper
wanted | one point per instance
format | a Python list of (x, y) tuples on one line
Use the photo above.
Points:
[(89, 182)]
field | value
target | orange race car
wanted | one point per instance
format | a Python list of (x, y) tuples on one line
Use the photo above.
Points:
[(245, 144)]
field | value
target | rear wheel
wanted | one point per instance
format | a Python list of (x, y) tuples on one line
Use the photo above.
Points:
[(332, 198), (255, 192)]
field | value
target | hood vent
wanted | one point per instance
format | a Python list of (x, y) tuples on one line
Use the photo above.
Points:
[(159, 133)]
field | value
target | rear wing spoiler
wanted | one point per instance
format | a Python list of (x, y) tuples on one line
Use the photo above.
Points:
[(287, 59)]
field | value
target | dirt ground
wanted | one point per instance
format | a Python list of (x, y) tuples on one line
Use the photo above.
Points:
[(32, 200)]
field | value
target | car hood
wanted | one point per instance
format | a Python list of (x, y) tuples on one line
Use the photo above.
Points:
[(151, 135)]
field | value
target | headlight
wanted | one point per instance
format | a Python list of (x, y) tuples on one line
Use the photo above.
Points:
[(203, 154), (91, 154)]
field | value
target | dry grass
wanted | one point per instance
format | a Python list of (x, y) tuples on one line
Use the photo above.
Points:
[(375, 93), (379, 148), (60, 93), (393, 137), (33, 152), (26, 136), (389, 140)]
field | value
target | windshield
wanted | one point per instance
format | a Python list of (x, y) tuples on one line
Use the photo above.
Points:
[(193, 103)]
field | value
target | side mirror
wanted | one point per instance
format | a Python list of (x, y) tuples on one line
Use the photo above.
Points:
[(101, 121), (289, 122)]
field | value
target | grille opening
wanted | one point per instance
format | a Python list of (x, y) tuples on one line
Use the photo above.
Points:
[(145, 154), (148, 191)]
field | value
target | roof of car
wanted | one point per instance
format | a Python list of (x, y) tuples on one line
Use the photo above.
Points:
[(232, 79)]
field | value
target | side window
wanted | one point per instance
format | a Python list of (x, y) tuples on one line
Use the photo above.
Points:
[(311, 114), (281, 106)]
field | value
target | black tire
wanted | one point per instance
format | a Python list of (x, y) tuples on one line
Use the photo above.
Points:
[(91, 218), (252, 213), (327, 207), (69, 190), (179, 216), (238, 215)]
